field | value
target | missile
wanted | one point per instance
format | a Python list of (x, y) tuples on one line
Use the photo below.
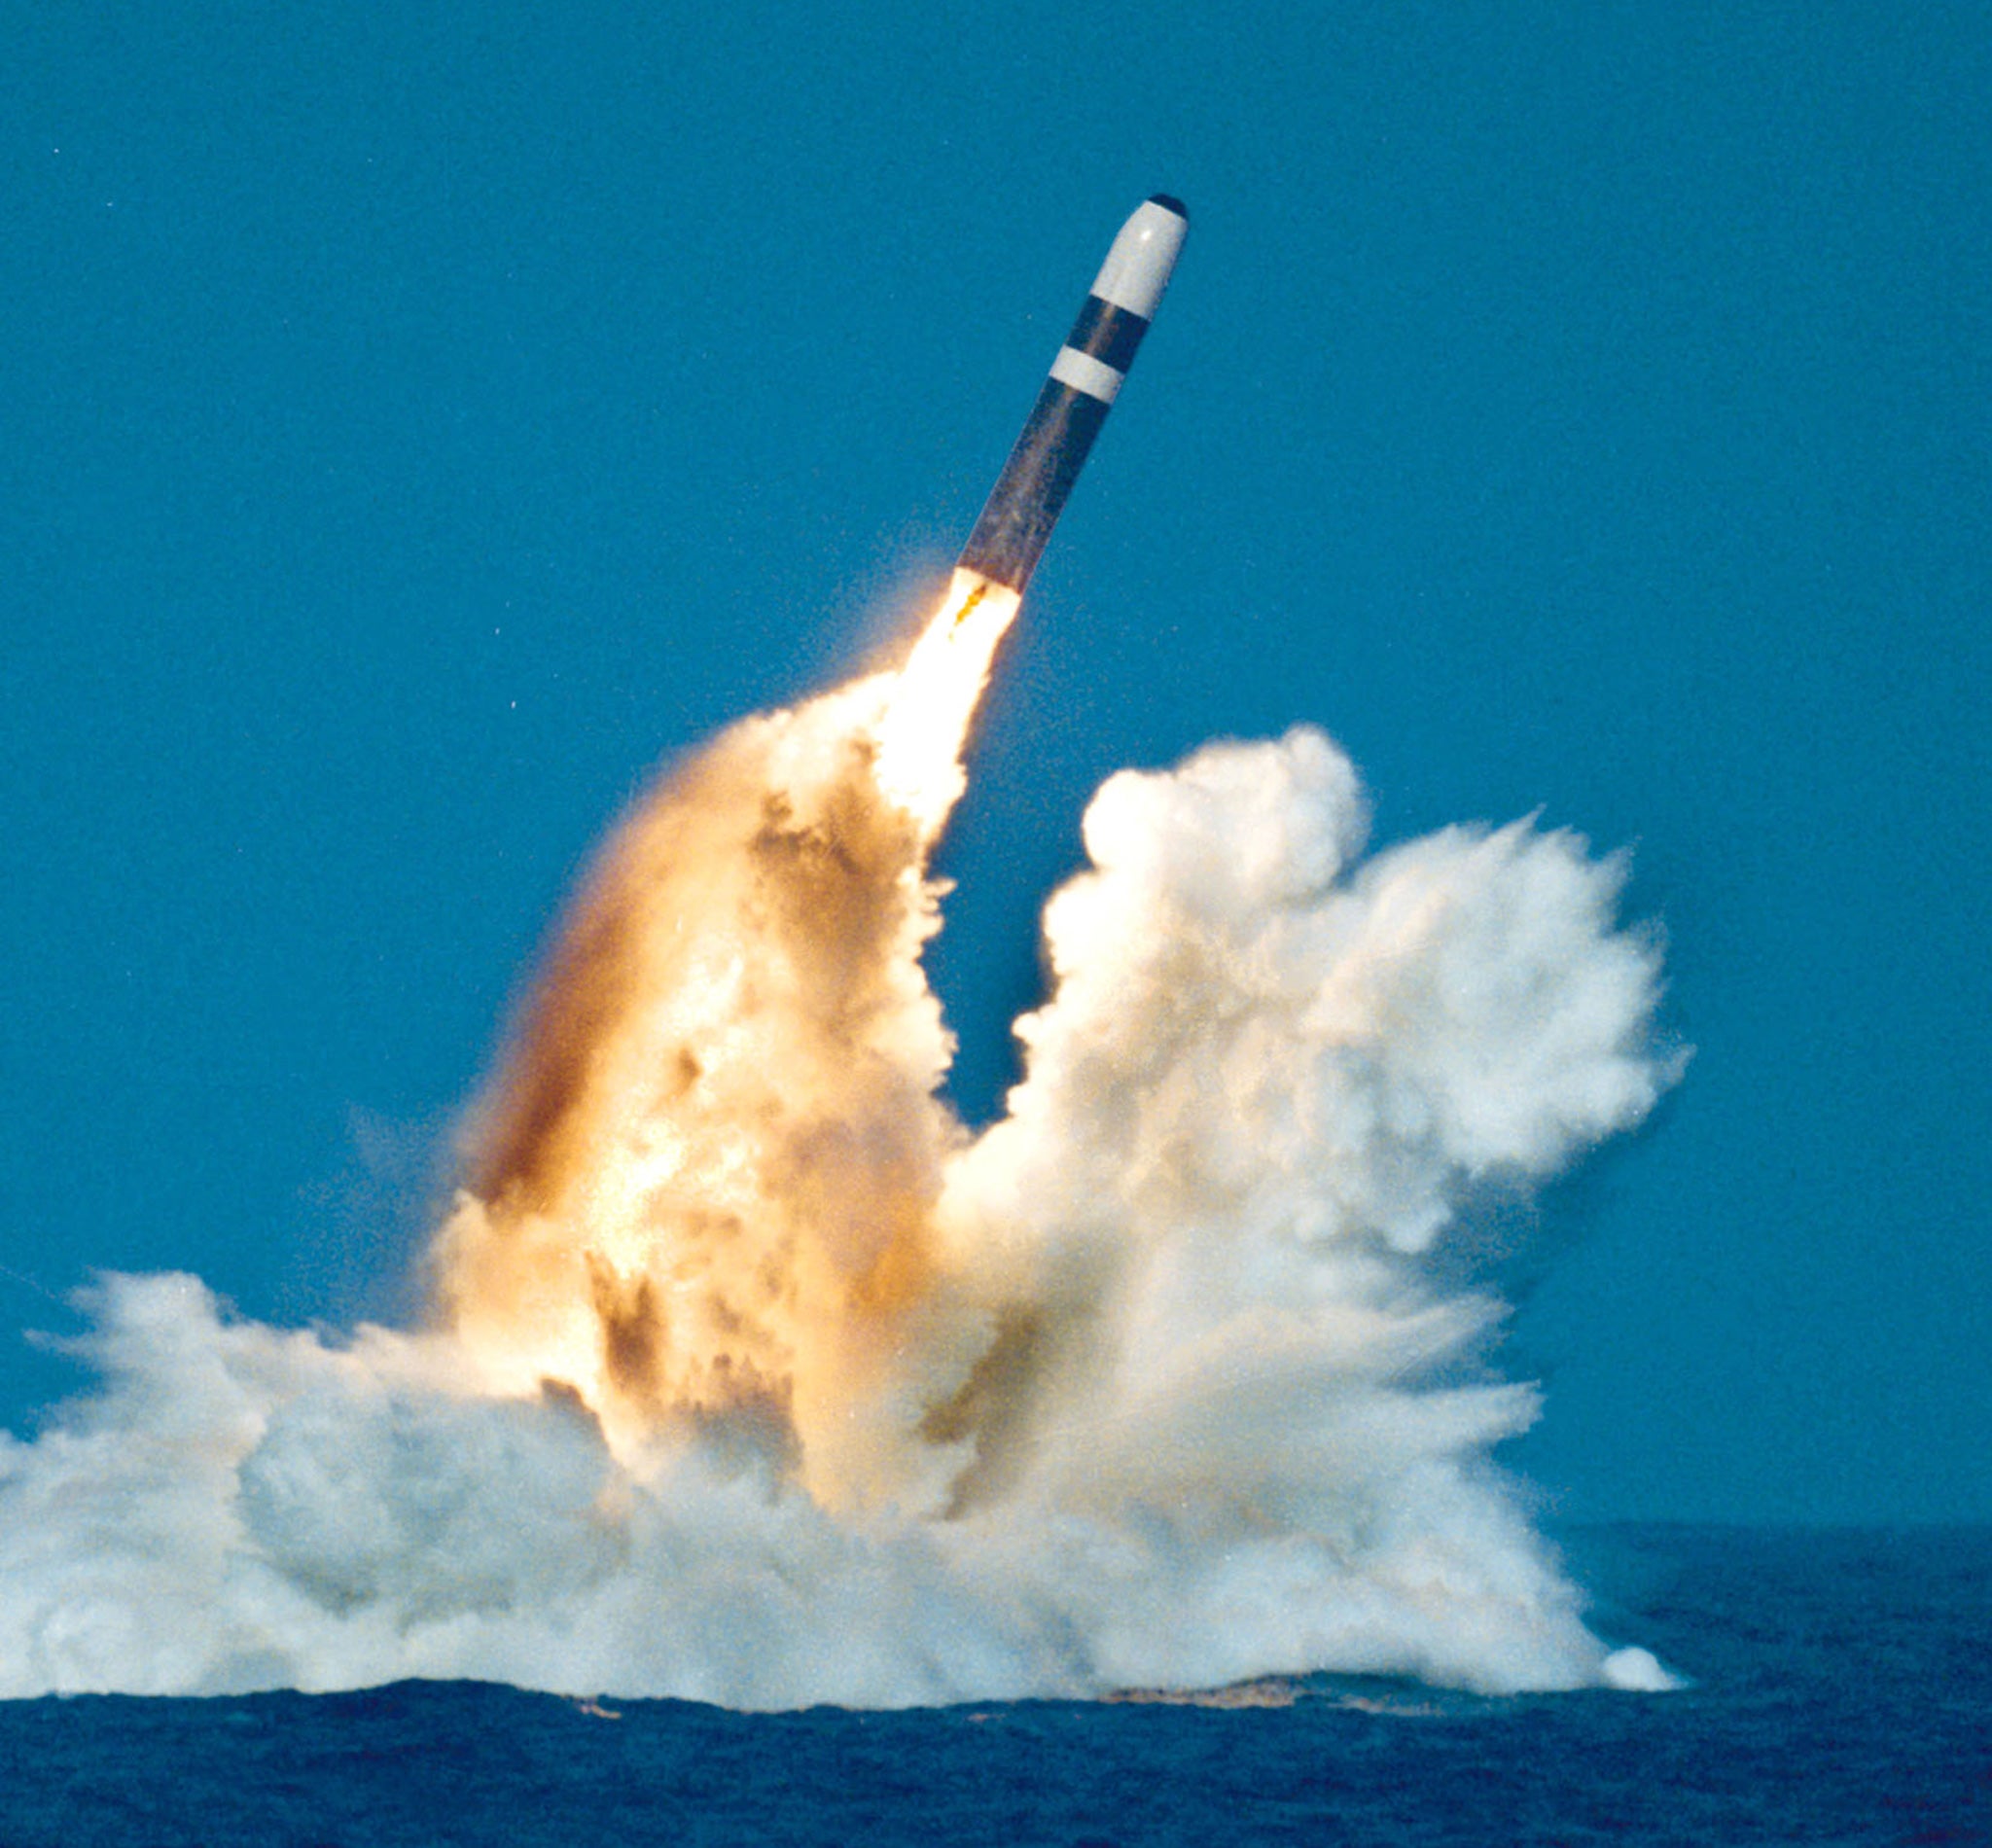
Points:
[(1030, 493)]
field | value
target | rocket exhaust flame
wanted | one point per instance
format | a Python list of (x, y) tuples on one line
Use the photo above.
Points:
[(757, 1378), (706, 1176)]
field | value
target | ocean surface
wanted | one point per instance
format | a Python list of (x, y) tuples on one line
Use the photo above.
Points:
[(1841, 1692)]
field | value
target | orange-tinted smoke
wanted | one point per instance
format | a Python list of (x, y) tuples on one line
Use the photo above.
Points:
[(701, 1182)]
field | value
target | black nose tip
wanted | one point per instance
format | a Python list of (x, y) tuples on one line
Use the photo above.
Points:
[(1170, 203)]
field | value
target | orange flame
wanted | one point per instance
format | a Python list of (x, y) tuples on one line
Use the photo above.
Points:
[(702, 1184)]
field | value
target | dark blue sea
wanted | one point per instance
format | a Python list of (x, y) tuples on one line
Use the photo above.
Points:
[(1841, 1693)]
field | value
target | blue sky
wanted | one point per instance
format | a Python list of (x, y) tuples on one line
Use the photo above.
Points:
[(418, 426)]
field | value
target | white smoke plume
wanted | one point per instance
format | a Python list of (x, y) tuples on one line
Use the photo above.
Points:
[(755, 1378)]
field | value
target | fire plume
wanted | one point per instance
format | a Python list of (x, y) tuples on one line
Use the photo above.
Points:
[(702, 1183)]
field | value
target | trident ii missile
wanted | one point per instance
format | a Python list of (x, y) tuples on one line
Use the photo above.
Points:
[(1030, 493)]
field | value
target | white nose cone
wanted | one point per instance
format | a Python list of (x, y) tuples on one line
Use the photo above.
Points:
[(1137, 267)]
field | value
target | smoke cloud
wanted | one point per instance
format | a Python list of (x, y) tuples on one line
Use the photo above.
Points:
[(755, 1378)]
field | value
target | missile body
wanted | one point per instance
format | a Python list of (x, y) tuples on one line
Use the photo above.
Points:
[(1030, 493)]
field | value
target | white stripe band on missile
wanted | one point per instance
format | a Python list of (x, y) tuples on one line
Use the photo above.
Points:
[(1084, 373)]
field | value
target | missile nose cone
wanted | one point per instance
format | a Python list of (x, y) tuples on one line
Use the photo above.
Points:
[(1138, 265), (1169, 202)]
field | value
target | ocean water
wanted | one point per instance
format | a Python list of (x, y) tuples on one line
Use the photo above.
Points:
[(1840, 1693)]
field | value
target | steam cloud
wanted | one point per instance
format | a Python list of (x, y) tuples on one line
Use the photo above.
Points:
[(755, 1378)]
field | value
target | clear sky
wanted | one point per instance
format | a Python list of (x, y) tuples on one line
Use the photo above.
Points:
[(416, 423)]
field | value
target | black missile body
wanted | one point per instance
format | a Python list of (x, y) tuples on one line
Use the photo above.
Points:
[(1031, 492)]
